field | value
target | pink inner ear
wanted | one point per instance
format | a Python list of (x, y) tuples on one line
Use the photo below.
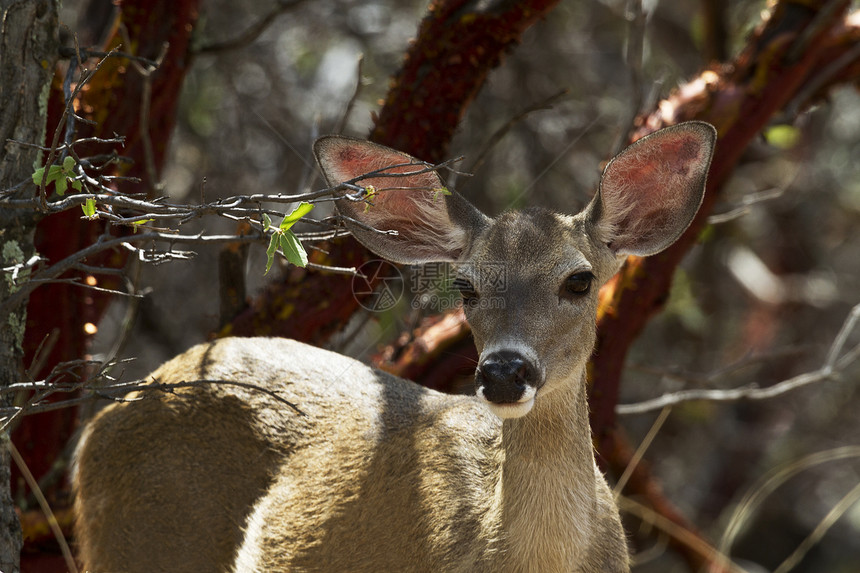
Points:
[(659, 163), (652, 189), (348, 159), (410, 203), (683, 152), (349, 162)]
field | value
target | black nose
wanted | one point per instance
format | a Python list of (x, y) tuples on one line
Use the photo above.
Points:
[(504, 375)]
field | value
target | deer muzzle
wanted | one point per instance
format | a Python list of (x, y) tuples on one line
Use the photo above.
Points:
[(508, 382)]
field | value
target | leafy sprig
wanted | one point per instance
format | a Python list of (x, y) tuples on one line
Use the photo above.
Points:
[(285, 239), (62, 176)]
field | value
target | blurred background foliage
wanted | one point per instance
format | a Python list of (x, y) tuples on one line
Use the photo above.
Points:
[(759, 300)]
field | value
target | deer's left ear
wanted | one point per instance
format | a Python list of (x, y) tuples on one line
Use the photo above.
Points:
[(650, 192)]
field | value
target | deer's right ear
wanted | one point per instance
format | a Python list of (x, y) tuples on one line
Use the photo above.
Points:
[(431, 223), (650, 192)]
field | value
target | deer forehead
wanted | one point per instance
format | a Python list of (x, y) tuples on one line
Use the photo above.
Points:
[(538, 242)]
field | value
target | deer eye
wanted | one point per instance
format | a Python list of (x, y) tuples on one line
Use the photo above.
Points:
[(466, 288), (576, 285)]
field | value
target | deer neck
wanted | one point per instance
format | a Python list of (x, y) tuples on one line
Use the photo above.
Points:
[(548, 487)]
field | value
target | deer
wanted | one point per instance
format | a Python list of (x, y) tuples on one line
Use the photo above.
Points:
[(288, 457)]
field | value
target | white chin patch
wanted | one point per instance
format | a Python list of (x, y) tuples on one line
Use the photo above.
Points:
[(516, 409)]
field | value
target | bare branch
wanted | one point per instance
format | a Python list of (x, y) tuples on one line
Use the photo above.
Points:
[(640, 451), (822, 78), (156, 221), (86, 53), (770, 482), (500, 133), (237, 205), (834, 364), (115, 392), (252, 33), (70, 377), (103, 244), (636, 18), (695, 543), (43, 503), (341, 125), (744, 206), (145, 104), (844, 504), (350, 271), (55, 143), (75, 281)]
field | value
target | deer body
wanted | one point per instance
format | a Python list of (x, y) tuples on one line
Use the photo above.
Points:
[(377, 473)]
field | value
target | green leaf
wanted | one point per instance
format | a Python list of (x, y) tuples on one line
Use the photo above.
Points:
[(293, 249), (55, 173), (782, 136), (270, 252), (369, 193), (89, 208), (440, 191), (137, 224), (60, 175), (61, 185), (267, 222), (303, 209)]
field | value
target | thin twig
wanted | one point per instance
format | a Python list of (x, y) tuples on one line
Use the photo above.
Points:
[(43, 503), (76, 281), (86, 53), (745, 204), (169, 387), (67, 94), (55, 143), (835, 362), (341, 125), (102, 244), (81, 141), (769, 483), (692, 541), (251, 33), (349, 271), (500, 133), (848, 500), (634, 58), (116, 392), (640, 451), (145, 105)]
